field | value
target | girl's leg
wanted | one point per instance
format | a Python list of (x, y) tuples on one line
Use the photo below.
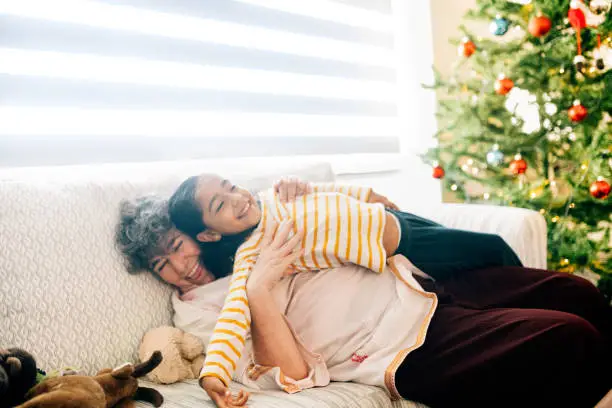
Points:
[(506, 358), (515, 287), (443, 252)]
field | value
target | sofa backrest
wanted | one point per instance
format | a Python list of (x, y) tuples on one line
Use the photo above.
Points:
[(64, 292)]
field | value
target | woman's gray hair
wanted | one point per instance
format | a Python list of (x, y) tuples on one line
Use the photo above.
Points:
[(144, 224)]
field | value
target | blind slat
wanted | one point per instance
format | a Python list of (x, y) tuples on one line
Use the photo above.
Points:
[(167, 123), (34, 150), (91, 13), (331, 11), (141, 71), (126, 80), (32, 34), (69, 92)]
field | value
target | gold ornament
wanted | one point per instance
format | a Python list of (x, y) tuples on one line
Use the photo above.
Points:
[(538, 189), (495, 122), (560, 191), (526, 11)]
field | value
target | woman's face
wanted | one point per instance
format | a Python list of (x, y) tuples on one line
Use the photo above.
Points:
[(181, 265)]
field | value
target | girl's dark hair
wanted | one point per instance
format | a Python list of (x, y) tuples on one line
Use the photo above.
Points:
[(218, 257), (184, 209)]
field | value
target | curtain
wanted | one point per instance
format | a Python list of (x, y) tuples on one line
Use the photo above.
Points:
[(85, 81)]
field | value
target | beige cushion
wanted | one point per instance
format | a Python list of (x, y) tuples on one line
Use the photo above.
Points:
[(64, 293)]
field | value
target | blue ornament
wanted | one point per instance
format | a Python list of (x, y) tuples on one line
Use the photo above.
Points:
[(499, 26), (495, 157)]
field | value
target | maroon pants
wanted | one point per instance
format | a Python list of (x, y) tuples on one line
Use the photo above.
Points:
[(512, 337)]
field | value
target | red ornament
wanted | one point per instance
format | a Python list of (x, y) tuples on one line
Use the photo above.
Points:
[(518, 165), (438, 172), (539, 26), (576, 17), (467, 48), (577, 113), (503, 85), (600, 188)]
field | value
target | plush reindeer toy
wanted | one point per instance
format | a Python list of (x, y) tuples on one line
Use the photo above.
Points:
[(110, 388)]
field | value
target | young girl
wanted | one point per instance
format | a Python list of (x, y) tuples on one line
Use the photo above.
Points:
[(335, 224)]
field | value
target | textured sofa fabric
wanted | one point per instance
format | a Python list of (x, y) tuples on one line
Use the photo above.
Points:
[(336, 395), (64, 292)]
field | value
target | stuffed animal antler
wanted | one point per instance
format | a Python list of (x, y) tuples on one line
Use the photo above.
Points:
[(110, 388)]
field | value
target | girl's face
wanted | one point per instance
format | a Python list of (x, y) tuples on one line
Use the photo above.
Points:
[(226, 208), (180, 266)]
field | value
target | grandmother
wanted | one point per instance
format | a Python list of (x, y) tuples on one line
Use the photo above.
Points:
[(501, 337)]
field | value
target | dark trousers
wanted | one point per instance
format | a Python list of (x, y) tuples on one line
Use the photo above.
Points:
[(512, 337), (443, 252)]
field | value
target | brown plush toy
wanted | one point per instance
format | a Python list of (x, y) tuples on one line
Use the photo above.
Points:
[(183, 354), (110, 388)]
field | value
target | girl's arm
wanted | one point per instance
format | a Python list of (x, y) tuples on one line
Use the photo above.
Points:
[(273, 341), (289, 188), (363, 194)]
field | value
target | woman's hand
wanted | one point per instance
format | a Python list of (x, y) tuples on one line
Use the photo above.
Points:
[(278, 254), (289, 188), (377, 198), (221, 395)]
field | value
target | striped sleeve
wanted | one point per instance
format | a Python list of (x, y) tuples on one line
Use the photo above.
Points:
[(362, 243), (339, 229), (357, 192), (228, 339)]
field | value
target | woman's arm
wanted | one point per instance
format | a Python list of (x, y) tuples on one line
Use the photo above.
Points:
[(273, 341)]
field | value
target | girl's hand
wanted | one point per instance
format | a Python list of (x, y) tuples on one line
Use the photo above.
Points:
[(289, 188), (221, 395), (377, 198), (276, 258)]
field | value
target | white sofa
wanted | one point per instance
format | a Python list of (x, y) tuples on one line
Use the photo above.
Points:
[(65, 296)]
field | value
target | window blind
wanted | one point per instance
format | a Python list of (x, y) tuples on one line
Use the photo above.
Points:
[(85, 81)]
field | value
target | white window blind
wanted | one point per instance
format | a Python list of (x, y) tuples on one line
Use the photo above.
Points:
[(85, 81)]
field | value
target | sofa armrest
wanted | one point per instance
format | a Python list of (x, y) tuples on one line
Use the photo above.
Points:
[(524, 230)]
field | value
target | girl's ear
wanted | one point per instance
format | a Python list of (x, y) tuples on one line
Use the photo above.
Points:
[(208, 236)]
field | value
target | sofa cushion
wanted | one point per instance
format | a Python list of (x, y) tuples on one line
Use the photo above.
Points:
[(346, 395), (64, 293)]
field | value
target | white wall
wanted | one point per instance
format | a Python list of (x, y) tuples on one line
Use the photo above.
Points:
[(446, 18)]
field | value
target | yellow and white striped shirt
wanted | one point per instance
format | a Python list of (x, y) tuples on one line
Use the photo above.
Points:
[(339, 227)]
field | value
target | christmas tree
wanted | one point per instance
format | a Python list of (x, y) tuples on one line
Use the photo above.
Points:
[(524, 121)]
